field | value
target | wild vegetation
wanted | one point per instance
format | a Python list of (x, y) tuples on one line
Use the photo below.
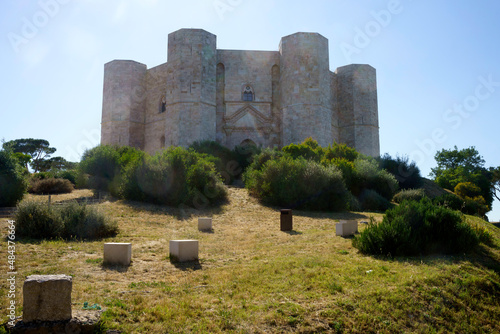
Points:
[(311, 177), (253, 278), (37, 220)]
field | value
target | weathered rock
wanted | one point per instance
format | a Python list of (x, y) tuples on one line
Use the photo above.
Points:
[(47, 298)]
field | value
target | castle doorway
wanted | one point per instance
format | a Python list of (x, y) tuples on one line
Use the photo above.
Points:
[(247, 143)]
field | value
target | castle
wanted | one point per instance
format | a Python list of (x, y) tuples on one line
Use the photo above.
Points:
[(266, 98)]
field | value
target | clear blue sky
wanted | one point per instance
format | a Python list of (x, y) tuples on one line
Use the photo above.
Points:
[(437, 62)]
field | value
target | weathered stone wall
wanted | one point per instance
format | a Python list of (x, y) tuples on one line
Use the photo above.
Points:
[(247, 120), (295, 96), (123, 103), (155, 117), (305, 89), (358, 109), (191, 87)]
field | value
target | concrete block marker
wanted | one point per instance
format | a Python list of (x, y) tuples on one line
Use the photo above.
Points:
[(205, 224), (183, 250), (116, 253), (346, 227), (47, 298)]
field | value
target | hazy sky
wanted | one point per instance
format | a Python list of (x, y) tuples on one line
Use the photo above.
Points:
[(437, 62)]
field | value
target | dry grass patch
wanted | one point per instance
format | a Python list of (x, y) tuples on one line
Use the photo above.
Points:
[(253, 278)]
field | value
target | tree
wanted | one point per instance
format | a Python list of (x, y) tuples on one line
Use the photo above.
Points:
[(38, 149), (56, 164), (13, 185), (459, 166), (495, 181)]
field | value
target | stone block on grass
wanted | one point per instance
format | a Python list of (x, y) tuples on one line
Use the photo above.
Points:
[(183, 250), (346, 227), (47, 298), (117, 253), (205, 224)]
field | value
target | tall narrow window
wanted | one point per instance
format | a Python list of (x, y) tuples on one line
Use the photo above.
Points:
[(248, 94), (163, 104)]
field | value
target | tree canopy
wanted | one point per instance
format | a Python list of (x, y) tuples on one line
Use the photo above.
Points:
[(460, 166), (37, 149)]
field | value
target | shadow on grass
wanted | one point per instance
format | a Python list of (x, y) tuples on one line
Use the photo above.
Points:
[(115, 267), (293, 232), (187, 265), (181, 212)]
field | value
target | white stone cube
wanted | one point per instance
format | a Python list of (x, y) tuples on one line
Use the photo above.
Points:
[(346, 227), (117, 253), (205, 224), (183, 250), (47, 298)]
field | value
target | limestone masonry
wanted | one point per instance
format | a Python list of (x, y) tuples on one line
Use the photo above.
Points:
[(266, 98)]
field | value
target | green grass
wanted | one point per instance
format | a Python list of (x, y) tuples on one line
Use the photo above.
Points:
[(252, 278)]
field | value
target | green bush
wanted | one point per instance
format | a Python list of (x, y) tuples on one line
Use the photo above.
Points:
[(50, 186), (13, 184), (226, 164), (172, 177), (371, 200), (450, 201), (414, 228), (409, 195), (104, 165), (297, 183), (40, 221), (340, 151), (86, 222), (308, 149), (244, 155), (406, 173), (369, 176)]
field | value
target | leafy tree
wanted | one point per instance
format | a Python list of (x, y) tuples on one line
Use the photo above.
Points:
[(495, 182), (56, 164), (458, 166), (38, 149), (13, 185)]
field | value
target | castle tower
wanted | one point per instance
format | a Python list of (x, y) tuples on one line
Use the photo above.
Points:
[(358, 110), (124, 98), (191, 87), (305, 89)]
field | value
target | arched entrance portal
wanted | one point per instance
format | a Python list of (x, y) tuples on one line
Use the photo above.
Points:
[(248, 143)]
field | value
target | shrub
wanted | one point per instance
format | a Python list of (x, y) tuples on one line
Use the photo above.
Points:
[(467, 189), (70, 175), (369, 176), (371, 200), (308, 149), (244, 155), (340, 151), (226, 164), (50, 186), (40, 221), (172, 177), (409, 195), (450, 201), (414, 228), (104, 165), (86, 222), (13, 184), (297, 184), (406, 173)]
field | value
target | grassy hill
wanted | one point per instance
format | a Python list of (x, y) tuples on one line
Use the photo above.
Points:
[(252, 278)]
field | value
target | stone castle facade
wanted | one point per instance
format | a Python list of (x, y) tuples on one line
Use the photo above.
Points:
[(266, 98)]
